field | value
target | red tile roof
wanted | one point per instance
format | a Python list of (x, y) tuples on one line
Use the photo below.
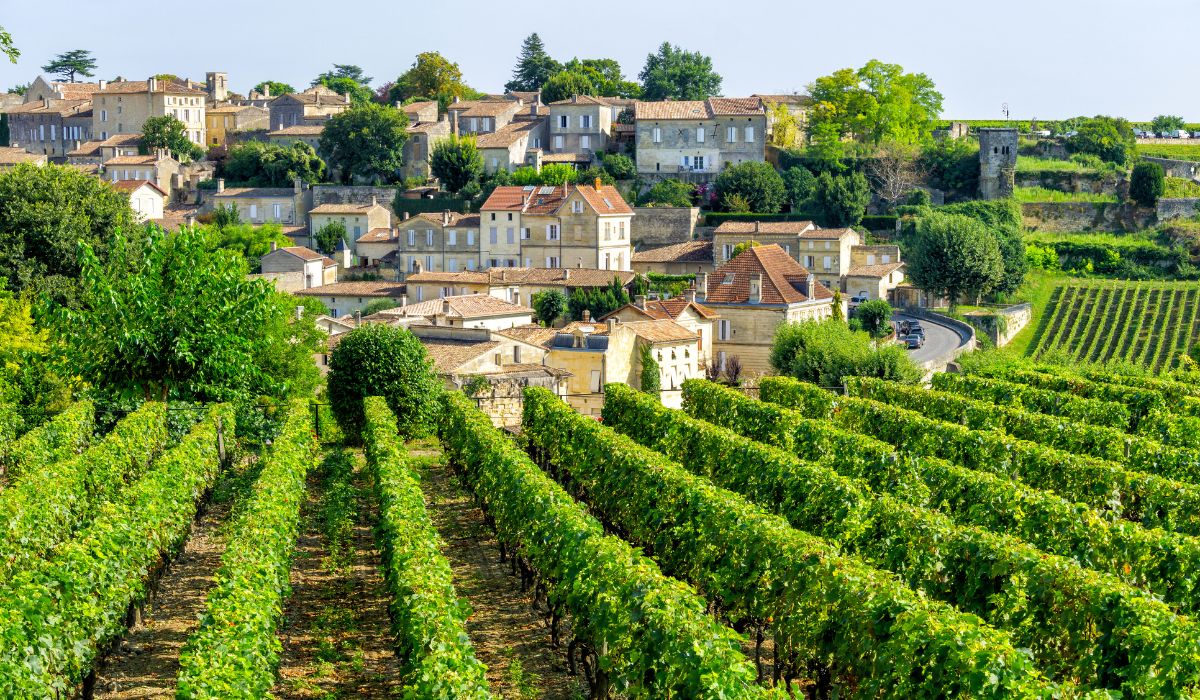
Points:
[(483, 108), (671, 309), (783, 279), (355, 289), (699, 109), (783, 227), (462, 306), (377, 235), (125, 87), (548, 200), (691, 251)]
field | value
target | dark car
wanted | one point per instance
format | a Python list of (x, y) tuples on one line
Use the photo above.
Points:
[(915, 342)]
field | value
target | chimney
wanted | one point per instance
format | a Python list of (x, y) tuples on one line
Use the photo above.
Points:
[(299, 312), (599, 184), (374, 200), (403, 300), (445, 307), (445, 217), (266, 91), (587, 316), (567, 274), (220, 185), (612, 324), (45, 103), (756, 226), (690, 293), (524, 199), (153, 84), (533, 110), (274, 246), (702, 288), (297, 185), (755, 288), (640, 301), (103, 84), (189, 219), (406, 215), (810, 285), (358, 318)]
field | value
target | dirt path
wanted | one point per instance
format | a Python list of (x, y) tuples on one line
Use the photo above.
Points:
[(335, 634), (147, 662), (510, 638)]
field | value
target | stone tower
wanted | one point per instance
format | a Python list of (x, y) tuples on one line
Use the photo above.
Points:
[(217, 86), (997, 162)]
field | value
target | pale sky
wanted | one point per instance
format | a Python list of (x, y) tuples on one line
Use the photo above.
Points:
[(1044, 58)]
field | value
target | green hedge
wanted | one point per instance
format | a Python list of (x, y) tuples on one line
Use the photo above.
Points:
[(428, 621), (413, 207), (879, 223), (718, 218), (1051, 403), (659, 640), (827, 610), (235, 652), (61, 437), (42, 510), (57, 619)]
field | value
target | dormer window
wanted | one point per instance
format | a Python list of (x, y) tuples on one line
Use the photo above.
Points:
[(729, 277)]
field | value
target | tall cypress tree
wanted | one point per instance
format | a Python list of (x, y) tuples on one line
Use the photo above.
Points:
[(534, 66)]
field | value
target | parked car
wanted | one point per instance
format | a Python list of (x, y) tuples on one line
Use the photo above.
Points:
[(855, 301), (902, 328), (915, 342), (915, 327)]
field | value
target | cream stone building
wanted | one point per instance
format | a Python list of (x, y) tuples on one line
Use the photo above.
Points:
[(52, 127), (508, 148), (312, 268), (565, 226), (147, 199), (312, 107), (579, 125), (434, 242), (123, 106), (100, 152), (286, 206), (301, 133), (696, 140), (357, 218), (754, 293), (690, 258), (342, 298), (157, 168), (41, 89), (685, 311), (467, 311), (225, 120), (875, 270), (423, 137), (481, 116)]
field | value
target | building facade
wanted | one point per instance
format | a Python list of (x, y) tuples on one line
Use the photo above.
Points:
[(696, 140), (225, 120), (51, 127), (123, 106), (313, 107), (579, 125)]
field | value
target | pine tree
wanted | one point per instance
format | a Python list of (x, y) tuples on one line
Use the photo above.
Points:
[(534, 66)]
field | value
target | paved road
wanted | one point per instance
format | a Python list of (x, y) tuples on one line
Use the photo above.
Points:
[(939, 340)]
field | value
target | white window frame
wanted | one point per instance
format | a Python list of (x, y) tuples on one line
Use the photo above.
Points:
[(749, 134), (585, 121), (510, 235), (278, 211), (553, 233), (493, 235), (585, 142), (428, 236), (470, 237), (452, 264), (451, 237), (723, 329), (253, 211), (558, 142), (731, 135), (564, 121), (656, 134), (699, 134)]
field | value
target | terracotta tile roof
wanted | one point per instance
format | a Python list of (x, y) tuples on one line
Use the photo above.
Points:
[(227, 109), (661, 331), (699, 109), (87, 148), (426, 127), (876, 271), (414, 107), (605, 200), (298, 130), (792, 99), (256, 192), (619, 128), (527, 115), (582, 100), (132, 185), (548, 200), (65, 108), (77, 91), (378, 235), (125, 87), (355, 289), (18, 155), (533, 335), (457, 219), (528, 97), (691, 251), (464, 306), (559, 276), (483, 108), (122, 140), (670, 309), (506, 135), (449, 355), (782, 279), (318, 94), (784, 227), (89, 168), (567, 158), (302, 252), (133, 160), (434, 277), (343, 208)]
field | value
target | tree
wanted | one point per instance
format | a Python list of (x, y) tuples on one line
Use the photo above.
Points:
[(376, 305), (875, 316), (786, 131), (827, 352), (68, 65), (225, 215), (1165, 123), (358, 93), (431, 77), (556, 174), (169, 133), (275, 87), (250, 241), (8, 48), (1002, 219), (534, 66), (19, 89), (1147, 183), (620, 166), (343, 70), (895, 171), (876, 103), (650, 380), (952, 165), (669, 193), (328, 236), (742, 248), (799, 184), (759, 183), (184, 323), (366, 143), (258, 164), (605, 76), (564, 85), (955, 257), (456, 162), (45, 214), (1110, 138), (598, 301), (549, 305), (381, 360), (675, 74), (841, 200)]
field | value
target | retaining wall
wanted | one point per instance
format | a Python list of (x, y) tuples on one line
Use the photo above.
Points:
[(660, 226)]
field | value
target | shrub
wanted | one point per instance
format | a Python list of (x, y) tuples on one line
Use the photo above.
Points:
[(378, 360), (875, 315), (620, 166), (826, 352), (650, 378), (669, 193), (1147, 183), (758, 183)]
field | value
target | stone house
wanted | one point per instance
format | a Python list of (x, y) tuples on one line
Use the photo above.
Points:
[(508, 148), (147, 199), (100, 152), (50, 127), (420, 112), (158, 168), (345, 298), (481, 116), (553, 227), (12, 157), (41, 89), (467, 311), (286, 206), (301, 133), (685, 311), (690, 258), (797, 106), (824, 251), (580, 125), (312, 107), (696, 140), (516, 285), (123, 106), (227, 120), (418, 149), (754, 293), (357, 218), (875, 270), (313, 269), (438, 242)]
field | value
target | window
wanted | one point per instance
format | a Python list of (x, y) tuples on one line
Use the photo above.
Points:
[(253, 211), (470, 237), (749, 134), (564, 121), (828, 245), (558, 143), (887, 259), (699, 134), (510, 216), (511, 235), (104, 115), (656, 135), (621, 230), (699, 163), (473, 124), (827, 263), (725, 252), (451, 237), (594, 381), (870, 259), (452, 265), (585, 142), (495, 163), (470, 263), (412, 237), (723, 329), (577, 207), (552, 233), (357, 232), (278, 211), (429, 263), (731, 137), (787, 248), (552, 262), (428, 236), (493, 234), (525, 233), (607, 230), (585, 121)]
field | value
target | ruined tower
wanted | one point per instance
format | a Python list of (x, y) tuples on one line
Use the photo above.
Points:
[(997, 162)]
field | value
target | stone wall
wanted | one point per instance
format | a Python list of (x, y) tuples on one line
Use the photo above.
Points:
[(660, 226), (966, 333), (1085, 216), (1002, 325), (1187, 169), (1094, 183), (1177, 208), (1168, 142), (352, 194)]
